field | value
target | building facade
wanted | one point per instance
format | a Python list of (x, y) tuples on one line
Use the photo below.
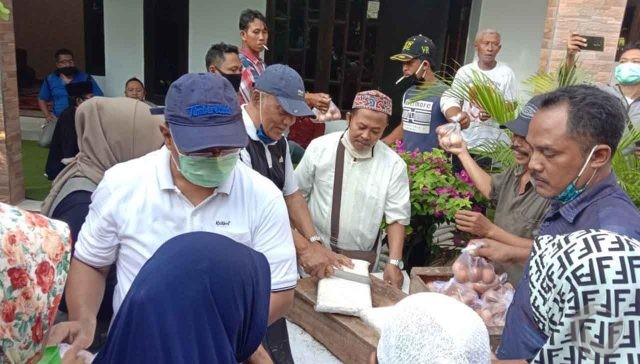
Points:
[(339, 46)]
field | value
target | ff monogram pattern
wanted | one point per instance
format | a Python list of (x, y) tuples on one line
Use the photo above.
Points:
[(585, 293)]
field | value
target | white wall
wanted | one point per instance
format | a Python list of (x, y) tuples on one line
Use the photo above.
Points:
[(123, 44), (210, 21), (213, 21), (521, 25)]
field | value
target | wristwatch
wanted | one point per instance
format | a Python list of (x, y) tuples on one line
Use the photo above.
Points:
[(397, 262), (315, 238)]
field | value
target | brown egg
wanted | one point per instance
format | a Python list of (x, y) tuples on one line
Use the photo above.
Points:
[(492, 296), (475, 274), (460, 272), (488, 275), (486, 315)]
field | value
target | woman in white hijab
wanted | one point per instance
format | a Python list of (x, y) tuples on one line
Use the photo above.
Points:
[(433, 328)]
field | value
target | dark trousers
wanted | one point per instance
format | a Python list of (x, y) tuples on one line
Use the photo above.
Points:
[(276, 342)]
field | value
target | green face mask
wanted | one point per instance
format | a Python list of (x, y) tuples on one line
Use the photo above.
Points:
[(207, 172)]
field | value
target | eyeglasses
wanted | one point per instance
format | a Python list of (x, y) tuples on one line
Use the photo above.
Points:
[(65, 62), (215, 153)]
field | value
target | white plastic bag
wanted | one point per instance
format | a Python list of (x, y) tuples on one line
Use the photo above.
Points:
[(337, 295), (333, 113), (462, 292), (477, 271), (449, 135), (494, 305)]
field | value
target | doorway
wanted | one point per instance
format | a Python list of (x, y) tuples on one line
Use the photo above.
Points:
[(343, 46), (166, 45)]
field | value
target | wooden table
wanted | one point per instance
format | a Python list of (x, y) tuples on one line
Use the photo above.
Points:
[(346, 337)]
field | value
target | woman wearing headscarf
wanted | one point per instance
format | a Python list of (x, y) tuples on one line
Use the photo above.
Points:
[(433, 328), (34, 260), (110, 131), (201, 298), (585, 293)]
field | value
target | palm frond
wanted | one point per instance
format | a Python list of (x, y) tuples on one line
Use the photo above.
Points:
[(435, 88), (499, 152), (543, 82), (480, 90), (627, 166)]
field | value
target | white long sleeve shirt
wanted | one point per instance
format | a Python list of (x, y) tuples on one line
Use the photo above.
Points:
[(372, 189)]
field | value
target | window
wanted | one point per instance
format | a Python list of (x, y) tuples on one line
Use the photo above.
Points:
[(94, 36)]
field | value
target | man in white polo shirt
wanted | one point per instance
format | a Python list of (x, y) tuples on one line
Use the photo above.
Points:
[(194, 183)]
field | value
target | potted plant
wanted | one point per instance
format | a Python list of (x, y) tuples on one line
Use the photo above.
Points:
[(436, 195)]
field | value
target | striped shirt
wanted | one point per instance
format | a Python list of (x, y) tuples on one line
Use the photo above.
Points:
[(252, 67)]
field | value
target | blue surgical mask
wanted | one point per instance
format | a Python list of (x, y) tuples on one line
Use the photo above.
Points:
[(207, 171), (262, 135), (571, 192), (628, 73)]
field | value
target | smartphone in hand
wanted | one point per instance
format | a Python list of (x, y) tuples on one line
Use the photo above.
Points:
[(594, 43)]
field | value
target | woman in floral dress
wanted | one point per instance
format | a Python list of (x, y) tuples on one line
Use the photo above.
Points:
[(34, 261)]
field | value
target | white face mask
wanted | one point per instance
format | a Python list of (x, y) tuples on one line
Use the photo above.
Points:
[(261, 134), (355, 153), (418, 70), (414, 75)]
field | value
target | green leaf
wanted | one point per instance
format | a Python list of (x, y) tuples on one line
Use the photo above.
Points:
[(51, 355), (543, 82), (4, 12)]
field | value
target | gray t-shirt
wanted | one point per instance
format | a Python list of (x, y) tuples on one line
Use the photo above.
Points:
[(519, 214)]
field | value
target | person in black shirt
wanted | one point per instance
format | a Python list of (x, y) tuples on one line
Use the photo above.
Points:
[(64, 143)]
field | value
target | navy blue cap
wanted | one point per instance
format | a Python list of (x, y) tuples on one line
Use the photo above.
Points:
[(286, 85), (202, 111), (520, 125)]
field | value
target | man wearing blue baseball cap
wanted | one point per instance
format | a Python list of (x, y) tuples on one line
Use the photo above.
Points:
[(519, 208), (276, 102), (193, 183)]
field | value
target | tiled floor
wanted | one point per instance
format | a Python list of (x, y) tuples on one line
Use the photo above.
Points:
[(30, 205)]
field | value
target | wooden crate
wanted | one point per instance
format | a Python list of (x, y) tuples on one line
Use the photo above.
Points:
[(421, 276), (346, 337)]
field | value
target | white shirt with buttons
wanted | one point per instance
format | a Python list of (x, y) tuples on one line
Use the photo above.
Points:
[(137, 207)]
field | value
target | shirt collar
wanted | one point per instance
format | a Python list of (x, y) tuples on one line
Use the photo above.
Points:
[(165, 179), (585, 199), (248, 123), (518, 171), (250, 56)]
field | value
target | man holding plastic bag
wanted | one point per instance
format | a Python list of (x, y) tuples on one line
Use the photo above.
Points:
[(420, 118), (482, 130), (519, 208), (573, 137)]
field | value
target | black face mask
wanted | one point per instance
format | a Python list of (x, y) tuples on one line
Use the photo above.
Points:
[(408, 82), (68, 71), (411, 80), (234, 78)]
